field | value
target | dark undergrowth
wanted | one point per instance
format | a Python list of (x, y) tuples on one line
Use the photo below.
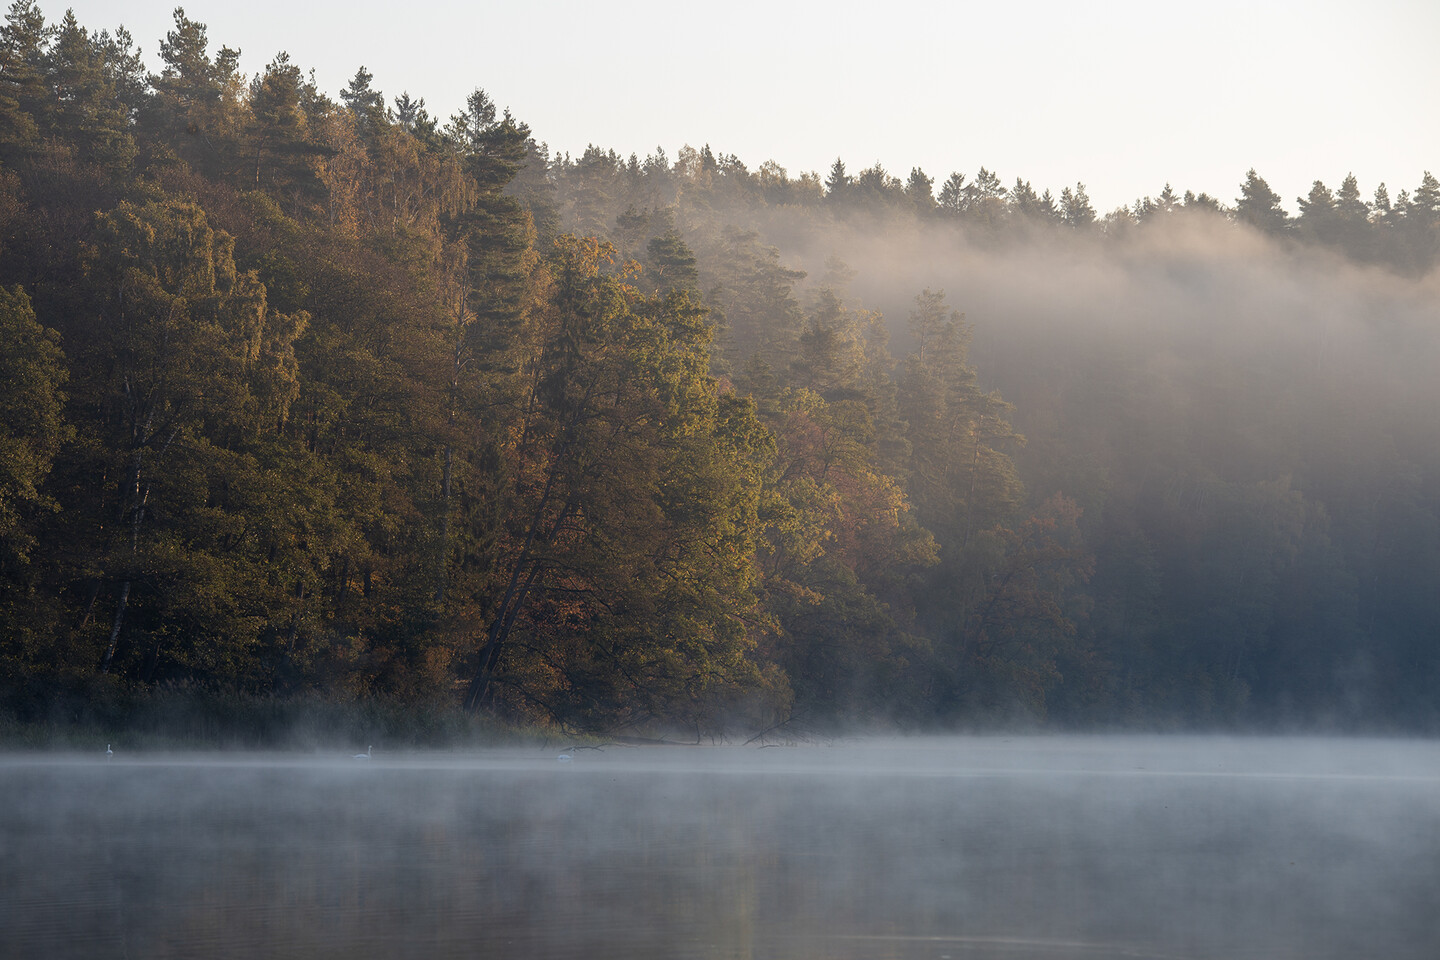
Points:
[(183, 717)]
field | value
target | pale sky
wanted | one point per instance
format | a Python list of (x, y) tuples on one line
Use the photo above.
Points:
[(1123, 96)]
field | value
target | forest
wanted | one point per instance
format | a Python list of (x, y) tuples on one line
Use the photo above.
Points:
[(318, 396)]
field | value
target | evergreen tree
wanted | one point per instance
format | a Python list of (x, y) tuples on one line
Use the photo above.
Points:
[(953, 197), (196, 107), (1202, 201), (876, 189), (1419, 226), (1318, 215), (752, 296), (413, 118), (1025, 202), (88, 111), (837, 184), (921, 191), (1163, 205), (32, 422), (1075, 208), (985, 201), (1259, 206), (672, 264), (279, 129), (624, 568), (368, 104), (1352, 215), (25, 102), (124, 69), (183, 362), (831, 354)]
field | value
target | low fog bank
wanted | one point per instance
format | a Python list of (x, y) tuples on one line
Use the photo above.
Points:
[(1055, 846), (858, 754), (1249, 426), (1185, 293), (1193, 346)]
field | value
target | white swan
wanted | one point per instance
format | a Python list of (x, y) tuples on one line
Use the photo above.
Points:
[(108, 752), (365, 755)]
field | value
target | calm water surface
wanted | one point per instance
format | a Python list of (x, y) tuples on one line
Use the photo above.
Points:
[(972, 848)]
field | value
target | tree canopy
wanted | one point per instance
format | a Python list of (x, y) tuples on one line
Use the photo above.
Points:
[(314, 394)]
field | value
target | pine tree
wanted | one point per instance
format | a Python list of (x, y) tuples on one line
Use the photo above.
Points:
[(1259, 206), (279, 129), (88, 111), (367, 104), (672, 264), (985, 201), (25, 102), (625, 559), (837, 184), (1318, 220), (1352, 216), (953, 196), (1075, 208), (32, 421), (186, 362), (920, 189), (196, 108)]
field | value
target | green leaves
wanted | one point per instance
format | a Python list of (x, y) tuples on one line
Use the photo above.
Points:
[(32, 419), (633, 516)]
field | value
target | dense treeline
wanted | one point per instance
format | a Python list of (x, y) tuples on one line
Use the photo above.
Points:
[(315, 395), (1403, 235)]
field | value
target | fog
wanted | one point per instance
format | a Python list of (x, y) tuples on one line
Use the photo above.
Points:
[(1233, 413), (1156, 293), (1263, 359), (982, 847), (1271, 356)]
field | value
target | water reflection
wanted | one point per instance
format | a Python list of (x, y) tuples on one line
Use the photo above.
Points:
[(975, 849)]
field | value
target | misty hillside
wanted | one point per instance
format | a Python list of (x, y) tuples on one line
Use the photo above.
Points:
[(306, 394)]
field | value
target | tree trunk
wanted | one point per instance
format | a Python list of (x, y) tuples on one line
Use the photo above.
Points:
[(443, 563), (499, 632), (115, 629), (295, 617), (137, 517), (522, 577)]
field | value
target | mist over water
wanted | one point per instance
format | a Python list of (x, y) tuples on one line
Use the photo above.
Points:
[(981, 847)]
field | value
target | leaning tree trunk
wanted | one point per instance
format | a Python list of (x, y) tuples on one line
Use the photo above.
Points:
[(115, 629)]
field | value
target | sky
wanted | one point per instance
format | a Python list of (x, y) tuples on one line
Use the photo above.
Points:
[(1122, 96)]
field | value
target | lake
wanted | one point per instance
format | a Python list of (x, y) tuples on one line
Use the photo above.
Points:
[(974, 848)]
